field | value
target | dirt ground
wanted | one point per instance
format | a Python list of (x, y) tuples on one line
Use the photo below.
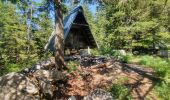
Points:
[(81, 82)]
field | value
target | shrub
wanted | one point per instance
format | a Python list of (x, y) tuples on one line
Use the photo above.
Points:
[(104, 49)]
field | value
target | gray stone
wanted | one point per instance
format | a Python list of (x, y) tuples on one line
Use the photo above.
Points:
[(121, 52), (15, 86), (72, 98), (30, 84), (98, 94), (163, 53), (51, 75)]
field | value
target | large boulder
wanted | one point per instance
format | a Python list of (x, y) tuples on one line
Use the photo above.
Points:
[(34, 83), (15, 86)]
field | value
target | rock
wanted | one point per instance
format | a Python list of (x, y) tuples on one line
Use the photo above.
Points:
[(121, 52), (42, 74), (51, 75), (15, 86), (84, 53), (46, 88), (98, 94), (31, 88), (72, 98), (163, 53), (33, 83), (46, 65)]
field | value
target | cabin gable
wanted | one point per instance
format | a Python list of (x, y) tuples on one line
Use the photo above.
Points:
[(77, 33)]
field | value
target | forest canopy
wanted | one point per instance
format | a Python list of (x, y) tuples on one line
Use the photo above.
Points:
[(116, 24)]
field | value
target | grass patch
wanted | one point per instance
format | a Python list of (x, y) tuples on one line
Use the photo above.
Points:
[(95, 52), (127, 58), (10, 68), (72, 66), (162, 70), (119, 91), (163, 90), (158, 64), (16, 67)]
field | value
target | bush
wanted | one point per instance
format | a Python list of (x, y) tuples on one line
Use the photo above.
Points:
[(104, 49)]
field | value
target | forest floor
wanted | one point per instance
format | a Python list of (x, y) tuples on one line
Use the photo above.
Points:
[(139, 80), (44, 81)]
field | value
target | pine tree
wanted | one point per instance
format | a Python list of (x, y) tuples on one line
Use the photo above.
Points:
[(13, 35)]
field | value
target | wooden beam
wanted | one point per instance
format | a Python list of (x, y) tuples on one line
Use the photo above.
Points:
[(80, 24)]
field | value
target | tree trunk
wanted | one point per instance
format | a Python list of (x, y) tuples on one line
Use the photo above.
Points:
[(59, 40)]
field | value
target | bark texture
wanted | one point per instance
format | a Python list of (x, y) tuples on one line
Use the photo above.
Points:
[(59, 40)]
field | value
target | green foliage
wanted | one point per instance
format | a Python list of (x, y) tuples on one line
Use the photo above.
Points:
[(129, 24), (12, 32), (119, 91), (162, 70), (104, 49), (41, 36), (13, 67), (163, 90), (72, 66), (17, 49), (95, 52), (117, 54), (160, 65), (127, 58)]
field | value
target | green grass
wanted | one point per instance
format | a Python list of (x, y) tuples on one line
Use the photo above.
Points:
[(10, 68), (127, 58), (16, 67), (119, 91), (72, 65), (158, 64), (162, 70), (163, 90), (95, 52)]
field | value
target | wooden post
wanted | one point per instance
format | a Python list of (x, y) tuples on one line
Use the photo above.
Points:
[(88, 50)]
